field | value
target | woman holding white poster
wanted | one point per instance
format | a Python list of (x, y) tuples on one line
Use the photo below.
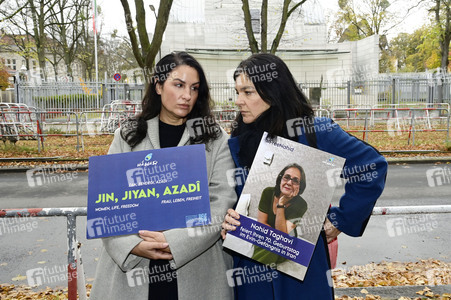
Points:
[(172, 263), (269, 100)]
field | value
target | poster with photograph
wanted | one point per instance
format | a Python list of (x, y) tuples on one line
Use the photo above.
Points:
[(151, 190), (284, 204)]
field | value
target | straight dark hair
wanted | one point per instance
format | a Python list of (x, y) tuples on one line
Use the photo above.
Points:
[(276, 86), (136, 130)]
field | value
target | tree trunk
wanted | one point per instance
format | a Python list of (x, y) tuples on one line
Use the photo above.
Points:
[(283, 22), (145, 51), (248, 25), (264, 25)]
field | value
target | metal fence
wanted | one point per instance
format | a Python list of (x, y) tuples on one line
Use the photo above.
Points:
[(19, 121), (76, 277), (75, 96), (380, 91), (388, 89)]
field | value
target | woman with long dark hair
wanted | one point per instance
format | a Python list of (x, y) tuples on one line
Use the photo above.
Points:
[(269, 100), (172, 263)]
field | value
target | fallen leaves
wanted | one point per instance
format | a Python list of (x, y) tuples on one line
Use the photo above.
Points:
[(422, 272), (22, 292), (19, 278)]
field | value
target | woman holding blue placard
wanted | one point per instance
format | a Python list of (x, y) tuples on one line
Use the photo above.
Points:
[(270, 101), (171, 264)]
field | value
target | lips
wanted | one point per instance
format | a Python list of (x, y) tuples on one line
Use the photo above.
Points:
[(183, 106), (285, 187)]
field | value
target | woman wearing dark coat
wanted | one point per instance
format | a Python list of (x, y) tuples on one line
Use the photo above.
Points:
[(269, 100)]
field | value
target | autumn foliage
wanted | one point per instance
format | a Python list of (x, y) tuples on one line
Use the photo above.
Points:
[(4, 76)]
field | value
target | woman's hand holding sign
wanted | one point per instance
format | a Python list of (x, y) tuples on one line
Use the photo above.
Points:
[(153, 246), (230, 222)]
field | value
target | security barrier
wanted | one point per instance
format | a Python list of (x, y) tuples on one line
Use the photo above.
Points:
[(398, 119), (72, 212), (18, 121)]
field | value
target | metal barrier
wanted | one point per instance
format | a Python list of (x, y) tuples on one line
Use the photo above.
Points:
[(395, 121), (72, 212), (18, 121)]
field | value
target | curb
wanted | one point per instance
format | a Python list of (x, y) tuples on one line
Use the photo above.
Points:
[(418, 160), (6, 169), (392, 292)]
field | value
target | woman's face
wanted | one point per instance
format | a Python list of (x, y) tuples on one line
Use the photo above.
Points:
[(289, 185), (249, 102), (178, 94)]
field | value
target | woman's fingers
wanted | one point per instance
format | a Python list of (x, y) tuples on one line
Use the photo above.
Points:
[(152, 250), (330, 230), (230, 222), (154, 236), (231, 212)]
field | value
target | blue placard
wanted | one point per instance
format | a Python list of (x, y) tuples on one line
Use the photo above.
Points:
[(274, 240), (152, 190)]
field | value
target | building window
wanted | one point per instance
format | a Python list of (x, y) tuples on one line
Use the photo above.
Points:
[(11, 64), (34, 65), (255, 20)]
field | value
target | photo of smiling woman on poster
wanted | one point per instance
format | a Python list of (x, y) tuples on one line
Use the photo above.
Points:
[(280, 204)]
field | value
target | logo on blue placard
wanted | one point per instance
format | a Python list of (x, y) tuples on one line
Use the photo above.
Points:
[(148, 157), (196, 220)]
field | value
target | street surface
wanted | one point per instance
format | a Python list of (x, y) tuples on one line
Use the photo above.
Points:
[(41, 242)]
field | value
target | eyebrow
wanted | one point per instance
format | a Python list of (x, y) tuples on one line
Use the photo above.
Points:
[(245, 87), (182, 81)]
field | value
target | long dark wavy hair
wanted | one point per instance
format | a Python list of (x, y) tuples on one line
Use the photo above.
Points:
[(302, 184), (151, 103), (276, 86)]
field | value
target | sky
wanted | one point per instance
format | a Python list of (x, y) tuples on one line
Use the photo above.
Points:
[(113, 15)]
